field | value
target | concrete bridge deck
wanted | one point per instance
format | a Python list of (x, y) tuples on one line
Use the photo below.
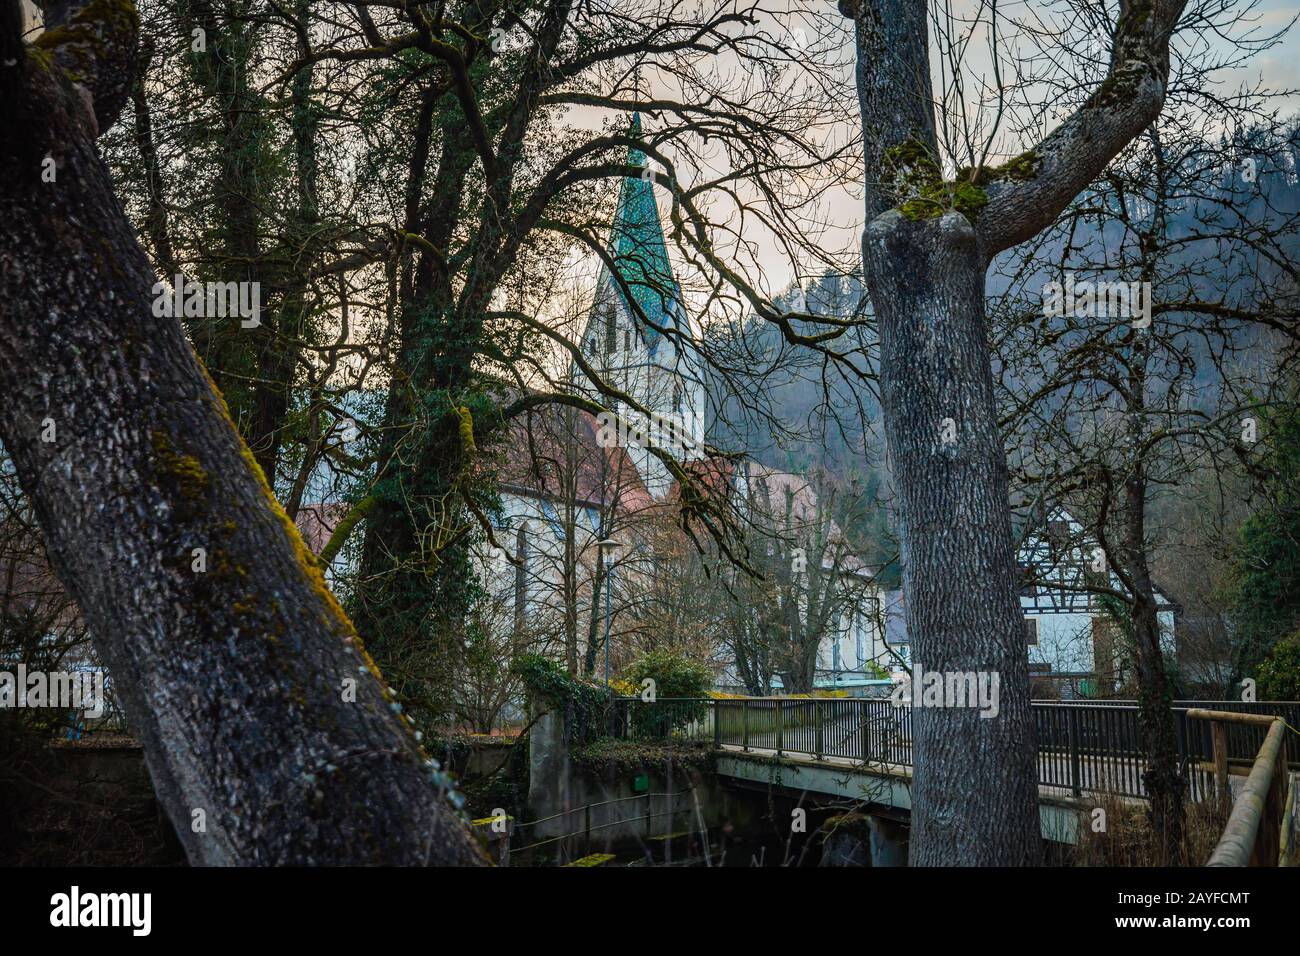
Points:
[(883, 784)]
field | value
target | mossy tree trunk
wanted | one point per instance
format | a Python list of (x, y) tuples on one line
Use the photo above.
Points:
[(269, 735), (926, 249), (416, 582)]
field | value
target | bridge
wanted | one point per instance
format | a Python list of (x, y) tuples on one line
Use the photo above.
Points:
[(829, 752), (861, 749)]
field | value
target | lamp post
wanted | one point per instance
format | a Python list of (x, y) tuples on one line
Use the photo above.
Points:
[(608, 547)]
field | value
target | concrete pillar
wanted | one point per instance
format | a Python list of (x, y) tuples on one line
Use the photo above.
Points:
[(888, 842), (548, 774)]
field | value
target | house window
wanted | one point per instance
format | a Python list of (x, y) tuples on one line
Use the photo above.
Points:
[(1031, 631)]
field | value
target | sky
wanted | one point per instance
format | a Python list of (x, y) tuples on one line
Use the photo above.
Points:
[(840, 213), (1276, 68)]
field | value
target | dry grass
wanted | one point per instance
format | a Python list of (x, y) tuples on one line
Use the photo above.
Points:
[(1128, 839)]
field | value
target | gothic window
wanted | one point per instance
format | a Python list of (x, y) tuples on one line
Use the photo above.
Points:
[(611, 332), (521, 577), (1031, 631), (677, 396)]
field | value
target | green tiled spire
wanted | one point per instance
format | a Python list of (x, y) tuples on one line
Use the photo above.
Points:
[(636, 243)]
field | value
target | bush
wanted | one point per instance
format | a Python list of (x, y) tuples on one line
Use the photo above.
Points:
[(675, 676), (1279, 674)]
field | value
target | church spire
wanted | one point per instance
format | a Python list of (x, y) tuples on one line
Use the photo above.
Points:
[(640, 253), (634, 156)]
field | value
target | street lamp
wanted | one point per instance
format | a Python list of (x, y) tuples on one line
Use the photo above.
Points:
[(608, 548)]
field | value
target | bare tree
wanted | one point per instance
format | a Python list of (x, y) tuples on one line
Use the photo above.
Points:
[(1147, 369), (811, 586), (927, 246)]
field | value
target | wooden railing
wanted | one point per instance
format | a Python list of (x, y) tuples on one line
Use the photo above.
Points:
[(1260, 830)]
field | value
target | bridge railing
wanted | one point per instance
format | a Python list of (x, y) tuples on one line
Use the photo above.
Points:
[(1244, 738), (1099, 748), (1094, 746)]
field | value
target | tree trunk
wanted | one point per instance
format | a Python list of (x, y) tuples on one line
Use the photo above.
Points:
[(415, 584), (1163, 783), (926, 249), (236, 665), (975, 785)]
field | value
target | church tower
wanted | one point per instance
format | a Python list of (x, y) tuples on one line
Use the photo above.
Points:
[(639, 335)]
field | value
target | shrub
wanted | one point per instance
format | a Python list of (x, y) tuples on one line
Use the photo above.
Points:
[(675, 676), (1279, 674)]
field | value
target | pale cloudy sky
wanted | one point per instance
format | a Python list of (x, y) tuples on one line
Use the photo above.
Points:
[(1277, 69)]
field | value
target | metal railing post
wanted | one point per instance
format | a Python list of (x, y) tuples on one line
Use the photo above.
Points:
[(818, 740), (744, 725), (1183, 743), (863, 708), (780, 727), (717, 723), (1072, 738)]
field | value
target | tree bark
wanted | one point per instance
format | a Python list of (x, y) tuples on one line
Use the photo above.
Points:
[(236, 678), (926, 250), (975, 785)]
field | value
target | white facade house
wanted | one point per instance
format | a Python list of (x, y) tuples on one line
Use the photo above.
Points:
[(859, 658), (1071, 638)]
